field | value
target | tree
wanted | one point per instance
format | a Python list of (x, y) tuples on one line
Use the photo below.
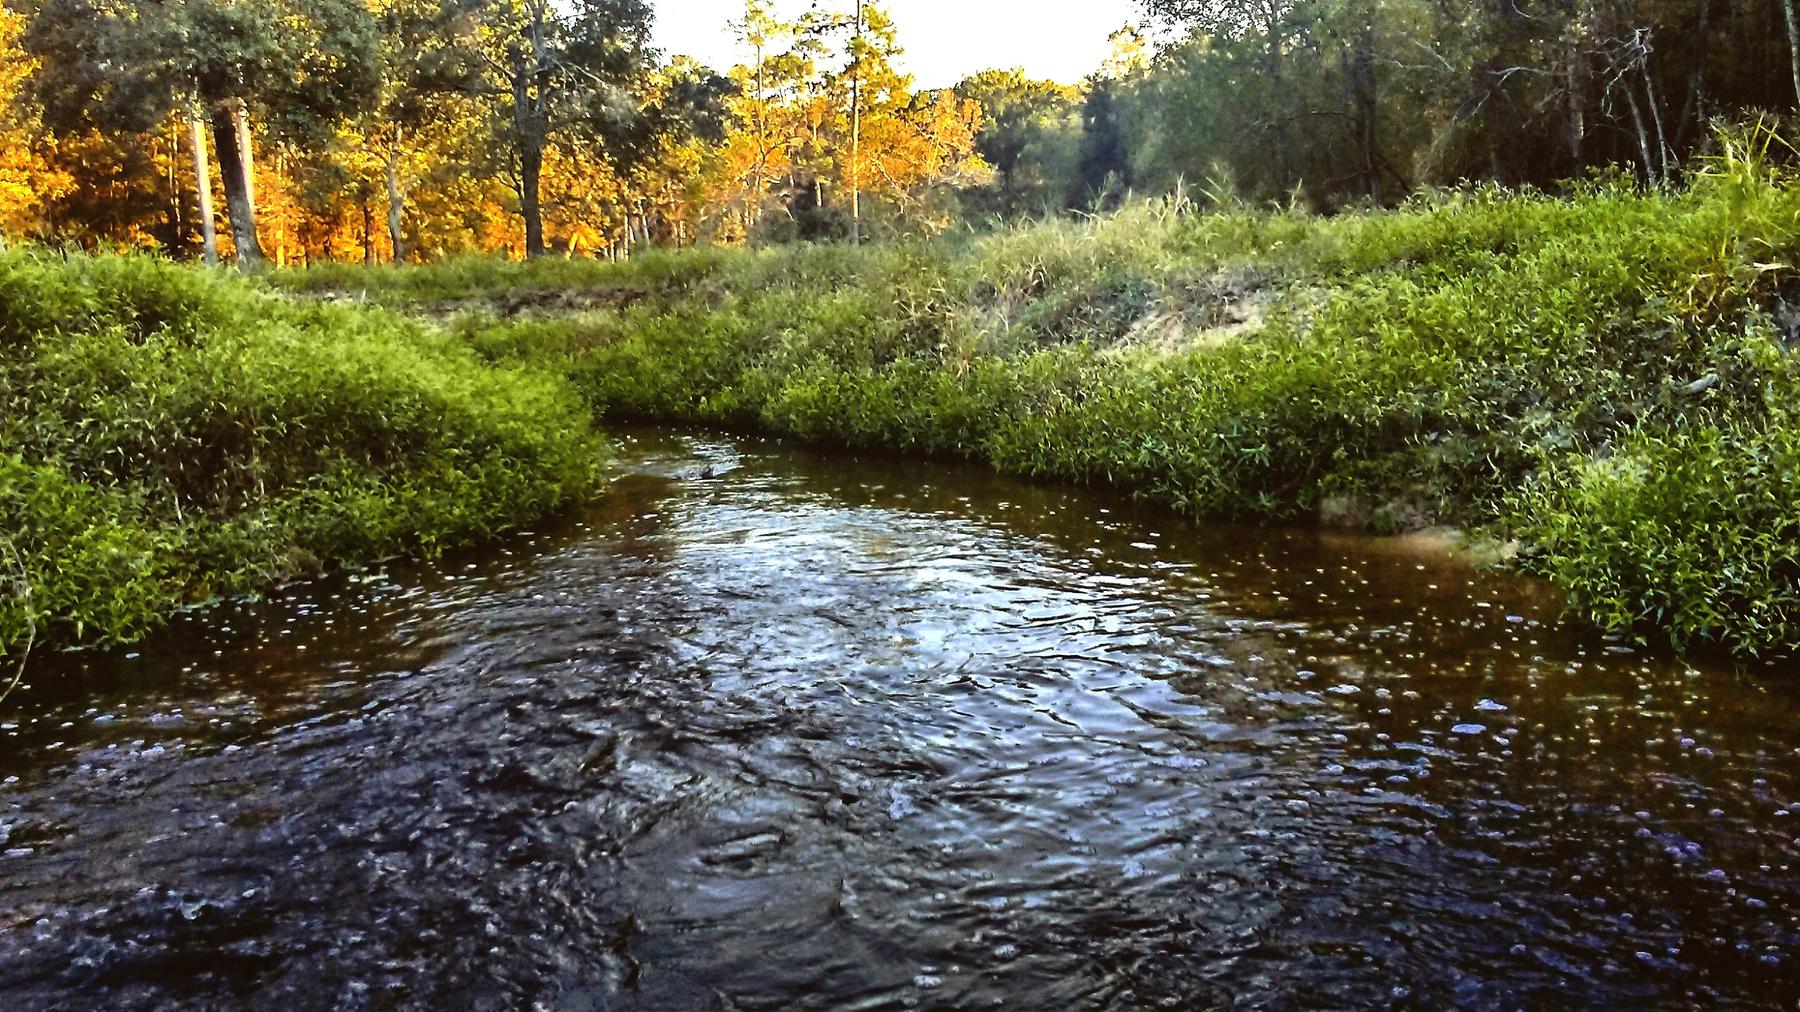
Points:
[(924, 157), (375, 155), (553, 71), (774, 141), (1020, 119), (682, 125), (867, 87), (27, 179), (766, 87), (1361, 98), (858, 56), (1793, 37), (130, 65), (410, 100), (1104, 169)]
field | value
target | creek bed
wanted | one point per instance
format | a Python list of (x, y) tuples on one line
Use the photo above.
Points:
[(829, 732)]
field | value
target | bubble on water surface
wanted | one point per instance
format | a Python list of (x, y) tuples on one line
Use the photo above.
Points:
[(818, 676)]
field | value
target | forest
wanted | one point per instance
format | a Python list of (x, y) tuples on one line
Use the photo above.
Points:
[(391, 131)]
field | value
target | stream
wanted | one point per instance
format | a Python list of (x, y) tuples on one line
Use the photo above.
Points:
[(834, 732)]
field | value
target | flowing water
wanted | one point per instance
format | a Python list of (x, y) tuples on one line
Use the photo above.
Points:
[(835, 733)]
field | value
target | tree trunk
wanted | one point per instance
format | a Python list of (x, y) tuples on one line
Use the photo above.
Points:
[(530, 124), (1656, 116), (240, 207), (531, 172), (281, 228), (240, 117), (1576, 126), (1793, 33), (368, 232), (856, 132), (753, 210), (174, 240), (396, 202), (209, 235), (1278, 129), (1367, 101), (1643, 134), (1694, 117)]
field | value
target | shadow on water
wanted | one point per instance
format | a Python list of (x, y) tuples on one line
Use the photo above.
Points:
[(847, 733)]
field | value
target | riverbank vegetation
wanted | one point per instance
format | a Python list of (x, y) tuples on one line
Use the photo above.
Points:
[(1605, 376), (169, 435), (1378, 263)]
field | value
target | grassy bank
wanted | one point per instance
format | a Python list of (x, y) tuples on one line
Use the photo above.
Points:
[(1605, 377), (169, 435)]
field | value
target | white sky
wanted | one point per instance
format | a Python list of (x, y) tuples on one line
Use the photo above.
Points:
[(945, 40)]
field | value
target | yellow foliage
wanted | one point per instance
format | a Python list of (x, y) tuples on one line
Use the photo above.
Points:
[(26, 180), (787, 144)]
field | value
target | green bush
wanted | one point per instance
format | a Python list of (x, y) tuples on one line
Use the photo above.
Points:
[(1697, 532), (171, 435), (1511, 361)]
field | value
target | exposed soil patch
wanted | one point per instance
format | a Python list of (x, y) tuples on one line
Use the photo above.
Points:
[(1219, 310), (544, 302), (512, 305)]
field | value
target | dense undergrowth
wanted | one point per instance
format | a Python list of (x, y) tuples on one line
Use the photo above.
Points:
[(169, 435), (1603, 376)]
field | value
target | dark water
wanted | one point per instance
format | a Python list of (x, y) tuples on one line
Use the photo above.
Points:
[(826, 733)]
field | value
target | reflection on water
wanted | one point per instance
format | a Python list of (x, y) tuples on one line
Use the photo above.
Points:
[(852, 734)]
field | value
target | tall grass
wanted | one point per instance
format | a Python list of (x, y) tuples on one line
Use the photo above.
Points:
[(1603, 375), (169, 435)]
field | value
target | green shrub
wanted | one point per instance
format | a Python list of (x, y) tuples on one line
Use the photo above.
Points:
[(172, 435), (1486, 358), (76, 559), (1696, 532)]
